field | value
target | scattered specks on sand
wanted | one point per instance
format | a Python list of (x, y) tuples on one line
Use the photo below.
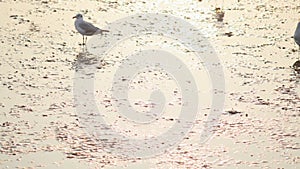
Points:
[(40, 53)]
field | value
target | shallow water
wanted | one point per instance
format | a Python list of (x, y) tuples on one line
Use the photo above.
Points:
[(42, 61)]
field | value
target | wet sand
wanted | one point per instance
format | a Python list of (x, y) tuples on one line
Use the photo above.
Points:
[(40, 55)]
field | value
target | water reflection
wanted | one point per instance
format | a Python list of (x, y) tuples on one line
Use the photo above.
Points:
[(219, 14)]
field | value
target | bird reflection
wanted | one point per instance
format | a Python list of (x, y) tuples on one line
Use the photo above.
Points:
[(86, 60), (219, 14)]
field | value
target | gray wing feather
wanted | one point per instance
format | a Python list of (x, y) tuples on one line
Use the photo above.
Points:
[(297, 34), (88, 28)]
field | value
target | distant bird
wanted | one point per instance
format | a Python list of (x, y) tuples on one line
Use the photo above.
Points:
[(86, 28), (297, 36)]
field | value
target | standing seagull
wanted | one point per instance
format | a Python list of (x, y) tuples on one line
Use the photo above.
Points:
[(297, 40), (86, 28)]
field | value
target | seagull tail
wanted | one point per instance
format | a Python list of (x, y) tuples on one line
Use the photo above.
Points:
[(100, 31)]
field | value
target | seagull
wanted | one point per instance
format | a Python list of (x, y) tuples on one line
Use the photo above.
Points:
[(86, 28), (297, 36), (296, 65)]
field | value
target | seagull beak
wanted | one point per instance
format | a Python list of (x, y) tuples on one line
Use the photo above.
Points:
[(74, 17)]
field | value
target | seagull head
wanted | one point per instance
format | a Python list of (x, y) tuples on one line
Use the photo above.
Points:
[(78, 16)]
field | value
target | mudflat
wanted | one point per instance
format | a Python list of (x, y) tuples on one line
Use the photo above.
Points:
[(43, 62)]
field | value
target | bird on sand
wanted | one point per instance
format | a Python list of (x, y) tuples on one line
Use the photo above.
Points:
[(86, 28), (296, 65)]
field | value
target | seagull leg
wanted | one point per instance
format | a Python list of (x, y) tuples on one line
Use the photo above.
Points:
[(83, 40)]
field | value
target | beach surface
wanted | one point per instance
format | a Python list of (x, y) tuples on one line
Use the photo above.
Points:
[(46, 120)]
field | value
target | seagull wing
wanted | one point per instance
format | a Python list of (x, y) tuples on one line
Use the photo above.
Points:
[(297, 34), (89, 28)]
